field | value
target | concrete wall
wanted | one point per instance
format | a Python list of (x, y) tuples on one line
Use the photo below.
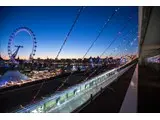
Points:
[(152, 38)]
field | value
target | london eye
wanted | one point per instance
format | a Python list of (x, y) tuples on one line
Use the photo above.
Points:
[(12, 54)]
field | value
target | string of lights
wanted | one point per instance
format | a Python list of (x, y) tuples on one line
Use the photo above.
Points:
[(65, 40), (92, 44), (101, 31), (131, 44), (128, 43), (98, 69), (130, 32), (132, 35), (116, 37), (125, 36)]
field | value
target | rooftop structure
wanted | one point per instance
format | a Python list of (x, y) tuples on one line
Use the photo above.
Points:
[(12, 76)]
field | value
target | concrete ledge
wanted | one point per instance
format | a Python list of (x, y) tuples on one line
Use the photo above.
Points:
[(129, 104)]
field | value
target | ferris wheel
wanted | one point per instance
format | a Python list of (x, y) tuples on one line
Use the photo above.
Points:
[(12, 54)]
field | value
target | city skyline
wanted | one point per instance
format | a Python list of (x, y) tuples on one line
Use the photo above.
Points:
[(51, 24)]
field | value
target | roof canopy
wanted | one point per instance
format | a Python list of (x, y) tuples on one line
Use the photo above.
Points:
[(12, 76)]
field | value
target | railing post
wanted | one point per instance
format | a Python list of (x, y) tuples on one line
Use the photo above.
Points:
[(91, 98)]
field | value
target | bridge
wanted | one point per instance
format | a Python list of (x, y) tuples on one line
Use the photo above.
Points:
[(73, 97)]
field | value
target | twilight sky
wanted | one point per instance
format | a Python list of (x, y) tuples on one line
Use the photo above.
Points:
[(51, 25)]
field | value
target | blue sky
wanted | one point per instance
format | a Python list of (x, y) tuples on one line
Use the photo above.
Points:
[(51, 25)]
